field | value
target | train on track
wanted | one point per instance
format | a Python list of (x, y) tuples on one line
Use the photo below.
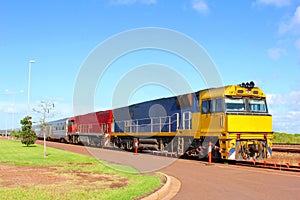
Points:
[(231, 121)]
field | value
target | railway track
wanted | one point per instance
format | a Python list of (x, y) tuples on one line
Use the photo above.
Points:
[(288, 148)]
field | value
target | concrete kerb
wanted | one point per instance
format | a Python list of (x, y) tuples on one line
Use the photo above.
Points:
[(166, 192)]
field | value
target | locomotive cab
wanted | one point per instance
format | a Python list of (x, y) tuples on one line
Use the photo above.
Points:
[(71, 125), (238, 116)]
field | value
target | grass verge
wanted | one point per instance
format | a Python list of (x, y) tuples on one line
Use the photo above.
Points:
[(26, 174), (286, 138)]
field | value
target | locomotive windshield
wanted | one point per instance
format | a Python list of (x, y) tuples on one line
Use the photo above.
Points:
[(257, 105), (235, 104), (230, 104), (245, 105), (70, 122)]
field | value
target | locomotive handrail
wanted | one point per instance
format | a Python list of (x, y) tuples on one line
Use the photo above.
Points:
[(188, 119), (86, 128), (134, 126)]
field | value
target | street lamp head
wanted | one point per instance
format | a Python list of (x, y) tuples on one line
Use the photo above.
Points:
[(32, 61)]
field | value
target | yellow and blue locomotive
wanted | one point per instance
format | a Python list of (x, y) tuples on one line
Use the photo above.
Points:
[(233, 118)]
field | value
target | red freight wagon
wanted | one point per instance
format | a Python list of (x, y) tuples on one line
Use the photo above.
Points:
[(88, 127)]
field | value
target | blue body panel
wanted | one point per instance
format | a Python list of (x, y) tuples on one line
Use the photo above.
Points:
[(159, 113)]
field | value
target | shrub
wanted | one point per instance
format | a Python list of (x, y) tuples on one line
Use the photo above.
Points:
[(27, 134), (286, 138)]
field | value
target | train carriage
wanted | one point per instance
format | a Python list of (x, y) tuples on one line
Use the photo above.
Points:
[(57, 130), (38, 131), (54, 130)]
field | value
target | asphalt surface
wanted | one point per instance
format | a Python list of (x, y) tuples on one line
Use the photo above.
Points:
[(202, 181)]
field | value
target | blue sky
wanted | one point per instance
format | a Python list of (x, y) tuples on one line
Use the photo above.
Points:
[(255, 40)]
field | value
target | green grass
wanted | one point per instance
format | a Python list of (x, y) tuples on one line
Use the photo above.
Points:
[(13, 153), (286, 138)]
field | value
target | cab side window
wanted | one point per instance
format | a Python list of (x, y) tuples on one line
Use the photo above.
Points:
[(220, 105), (206, 106)]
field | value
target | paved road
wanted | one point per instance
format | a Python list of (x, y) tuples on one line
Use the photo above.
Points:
[(201, 181), (232, 182)]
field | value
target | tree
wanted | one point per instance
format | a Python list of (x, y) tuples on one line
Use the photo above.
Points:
[(44, 111), (27, 134)]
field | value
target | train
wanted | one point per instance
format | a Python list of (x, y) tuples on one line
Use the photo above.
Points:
[(232, 122)]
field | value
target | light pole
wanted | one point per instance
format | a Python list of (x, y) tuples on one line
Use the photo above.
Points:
[(28, 96)]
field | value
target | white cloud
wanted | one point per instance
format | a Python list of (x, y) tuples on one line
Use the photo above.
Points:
[(60, 107), (10, 107), (130, 2), (62, 110), (200, 6), (12, 113), (291, 24), (276, 53), (277, 3), (291, 99), (285, 109), (286, 121)]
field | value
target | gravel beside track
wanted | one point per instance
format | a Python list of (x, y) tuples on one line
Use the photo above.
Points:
[(202, 181)]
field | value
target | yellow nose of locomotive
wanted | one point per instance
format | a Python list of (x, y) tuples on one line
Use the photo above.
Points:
[(238, 116)]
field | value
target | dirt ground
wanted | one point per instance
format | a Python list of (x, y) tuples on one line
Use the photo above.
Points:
[(25, 176)]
